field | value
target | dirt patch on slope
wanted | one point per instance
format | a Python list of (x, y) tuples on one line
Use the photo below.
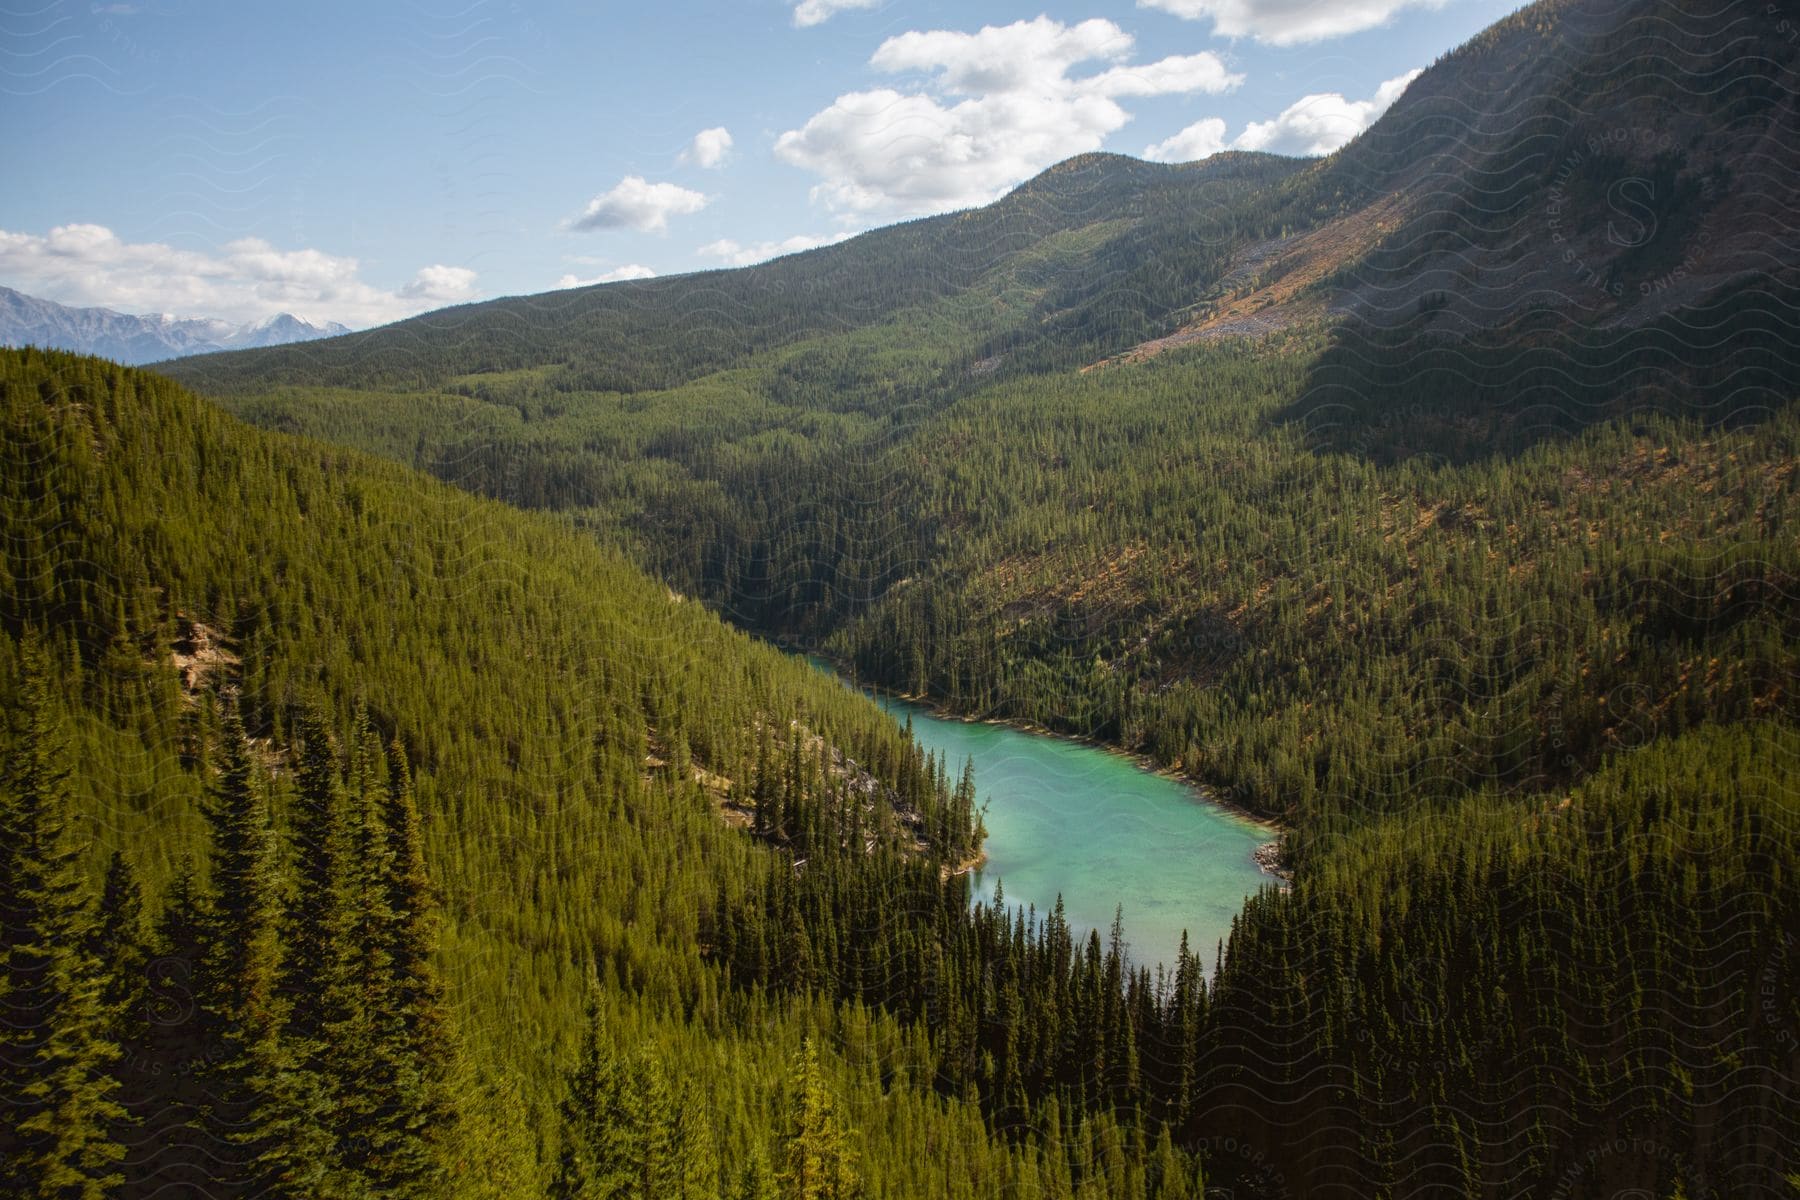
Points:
[(1273, 284)]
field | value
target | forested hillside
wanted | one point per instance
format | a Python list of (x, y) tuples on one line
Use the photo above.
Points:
[(267, 680), (989, 265), (1410, 497), (362, 795), (1331, 516)]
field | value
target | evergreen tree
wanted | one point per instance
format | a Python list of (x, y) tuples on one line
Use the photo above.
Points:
[(1171, 1176), (696, 1148), (418, 1110), (755, 1181), (494, 1153), (121, 945), (325, 1042), (261, 1126), (817, 1161), (57, 1086), (653, 1163), (242, 922), (175, 978), (596, 1157), (320, 923), (375, 1126)]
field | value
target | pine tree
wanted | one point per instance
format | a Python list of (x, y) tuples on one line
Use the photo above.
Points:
[(261, 1127), (324, 1040), (121, 945), (494, 1153), (418, 1109), (57, 1087), (755, 1181), (595, 1161), (174, 1048), (315, 917), (175, 974), (696, 1151), (242, 922), (375, 1130), (653, 1163), (817, 1161), (1173, 1178)]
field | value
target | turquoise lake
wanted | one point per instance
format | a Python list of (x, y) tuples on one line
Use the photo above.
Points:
[(1092, 825)]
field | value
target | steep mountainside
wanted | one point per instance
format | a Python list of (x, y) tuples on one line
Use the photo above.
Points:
[(1050, 237), (990, 481), (1333, 485), (577, 733), (573, 731), (1614, 160)]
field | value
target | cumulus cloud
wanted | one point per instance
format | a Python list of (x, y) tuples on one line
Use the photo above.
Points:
[(616, 275), (816, 12), (1202, 139), (443, 284), (1288, 22), (738, 255), (636, 204), (245, 280), (1176, 75), (995, 107), (708, 148), (1023, 56), (1319, 124)]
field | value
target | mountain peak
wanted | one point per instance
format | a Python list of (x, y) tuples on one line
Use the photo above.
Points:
[(152, 337)]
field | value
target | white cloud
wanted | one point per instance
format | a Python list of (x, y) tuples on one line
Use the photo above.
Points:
[(997, 107), (743, 256), (1288, 22), (815, 12), (616, 275), (245, 280), (636, 204), (1202, 139), (440, 283), (1176, 75), (1024, 56), (1321, 123), (708, 148)]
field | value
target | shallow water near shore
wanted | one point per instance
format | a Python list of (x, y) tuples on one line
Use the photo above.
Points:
[(1091, 824)]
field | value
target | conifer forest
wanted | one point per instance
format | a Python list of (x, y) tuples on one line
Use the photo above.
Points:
[(449, 759)]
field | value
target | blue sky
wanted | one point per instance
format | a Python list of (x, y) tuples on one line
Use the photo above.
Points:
[(361, 162)]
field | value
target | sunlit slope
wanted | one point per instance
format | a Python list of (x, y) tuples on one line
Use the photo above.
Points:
[(1303, 477), (1614, 161), (650, 334), (574, 725)]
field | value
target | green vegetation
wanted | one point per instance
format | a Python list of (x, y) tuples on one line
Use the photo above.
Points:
[(1078, 1061), (427, 682), (1343, 568), (1488, 594), (1444, 1004), (1320, 610)]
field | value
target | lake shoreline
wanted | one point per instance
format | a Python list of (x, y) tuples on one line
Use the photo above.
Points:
[(1266, 856)]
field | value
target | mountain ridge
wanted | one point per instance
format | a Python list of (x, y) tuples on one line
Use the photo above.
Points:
[(1516, 172), (806, 465), (27, 320), (1490, 599)]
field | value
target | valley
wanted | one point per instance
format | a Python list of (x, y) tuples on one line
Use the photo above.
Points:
[(420, 775)]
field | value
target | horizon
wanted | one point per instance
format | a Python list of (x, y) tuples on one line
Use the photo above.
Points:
[(342, 166)]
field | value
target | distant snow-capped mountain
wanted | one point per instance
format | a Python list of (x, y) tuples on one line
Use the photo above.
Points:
[(29, 321)]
